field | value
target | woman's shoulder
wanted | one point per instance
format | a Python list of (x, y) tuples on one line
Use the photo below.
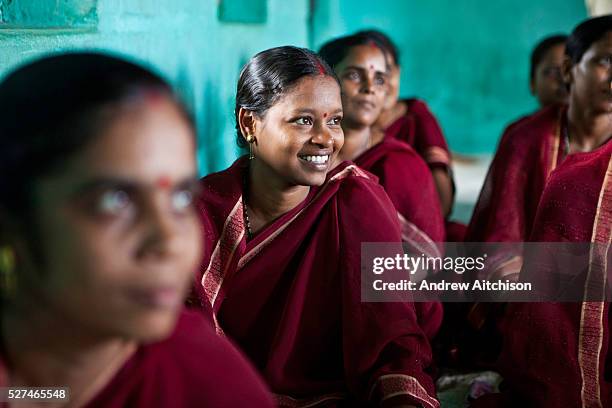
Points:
[(351, 178), (360, 196), (194, 364), (218, 182), (535, 129), (417, 107), (401, 154)]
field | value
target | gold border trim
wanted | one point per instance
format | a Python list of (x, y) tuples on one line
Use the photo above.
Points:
[(392, 385), (591, 315)]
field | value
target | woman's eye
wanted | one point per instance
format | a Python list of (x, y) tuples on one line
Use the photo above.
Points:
[(379, 81), (182, 200), (353, 76), (335, 121), (607, 60), (113, 202), (304, 121)]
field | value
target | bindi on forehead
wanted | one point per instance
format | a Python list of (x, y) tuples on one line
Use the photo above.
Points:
[(163, 182)]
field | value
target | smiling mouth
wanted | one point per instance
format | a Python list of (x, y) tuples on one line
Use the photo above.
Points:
[(317, 159)]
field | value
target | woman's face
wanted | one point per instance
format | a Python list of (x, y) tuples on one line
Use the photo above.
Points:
[(591, 78), (119, 234), (547, 84), (393, 85), (300, 135), (363, 75)]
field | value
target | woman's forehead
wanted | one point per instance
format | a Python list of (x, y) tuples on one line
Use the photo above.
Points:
[(318, 91)]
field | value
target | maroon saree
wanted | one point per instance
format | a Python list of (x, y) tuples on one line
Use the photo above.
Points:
[(420, 129), (410, 186), (558, 354), (527, 153), (408, 182), (193, 367), (291, 296)]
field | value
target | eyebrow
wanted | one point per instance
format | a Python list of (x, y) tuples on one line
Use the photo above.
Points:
[(128, 184), (312, 111), (355, 67)]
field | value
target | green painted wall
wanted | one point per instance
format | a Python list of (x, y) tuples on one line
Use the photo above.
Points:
[(183, 39), (468, 59)]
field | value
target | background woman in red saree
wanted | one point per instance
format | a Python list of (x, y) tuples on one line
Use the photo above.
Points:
[(282, 266), (99, 238), (411, 121), (546, 81), (361, 66), (557, 354)]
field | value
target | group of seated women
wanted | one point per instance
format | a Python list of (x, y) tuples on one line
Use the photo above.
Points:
[(132, 283)]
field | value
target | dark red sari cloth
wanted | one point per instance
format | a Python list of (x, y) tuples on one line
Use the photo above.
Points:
[(291, 296), (410, 186), (528, 151), (420, 129), (192, 368), (558, 354)]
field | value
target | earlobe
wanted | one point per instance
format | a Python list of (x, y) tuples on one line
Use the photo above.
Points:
[(247, 123)]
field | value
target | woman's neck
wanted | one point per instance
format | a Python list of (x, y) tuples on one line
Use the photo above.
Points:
[(587, 129), (357, 140), (269, 197), (45, 350), (389, 116)]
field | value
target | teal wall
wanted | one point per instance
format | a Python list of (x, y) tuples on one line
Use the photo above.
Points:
[(182, 39), (468, 59)]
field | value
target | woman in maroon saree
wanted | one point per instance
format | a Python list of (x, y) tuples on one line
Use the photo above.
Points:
[(99, 238), (287, 286), (557, 354), (545, 78), (509, 198), (411, 121), (490, 218), (361, 68)]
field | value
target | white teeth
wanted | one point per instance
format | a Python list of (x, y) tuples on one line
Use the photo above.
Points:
[(316, 159)]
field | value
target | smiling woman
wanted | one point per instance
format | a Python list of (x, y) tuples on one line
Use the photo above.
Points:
[(99, 238), (282, 244)]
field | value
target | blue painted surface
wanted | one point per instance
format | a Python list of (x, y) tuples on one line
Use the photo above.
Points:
[(467, 59), (185, 41)]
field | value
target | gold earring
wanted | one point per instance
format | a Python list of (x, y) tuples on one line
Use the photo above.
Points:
[(8, 279), (251, 140)]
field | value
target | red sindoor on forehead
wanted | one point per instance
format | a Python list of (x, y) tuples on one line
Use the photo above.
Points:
[(163, 182), (321, 68)]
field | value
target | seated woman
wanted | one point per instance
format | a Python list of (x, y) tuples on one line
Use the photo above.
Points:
[(360, 64), (546, 69), (283, 248), (411, 121), (526, 156), (545, 76), (557, 354), (99, 239)]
